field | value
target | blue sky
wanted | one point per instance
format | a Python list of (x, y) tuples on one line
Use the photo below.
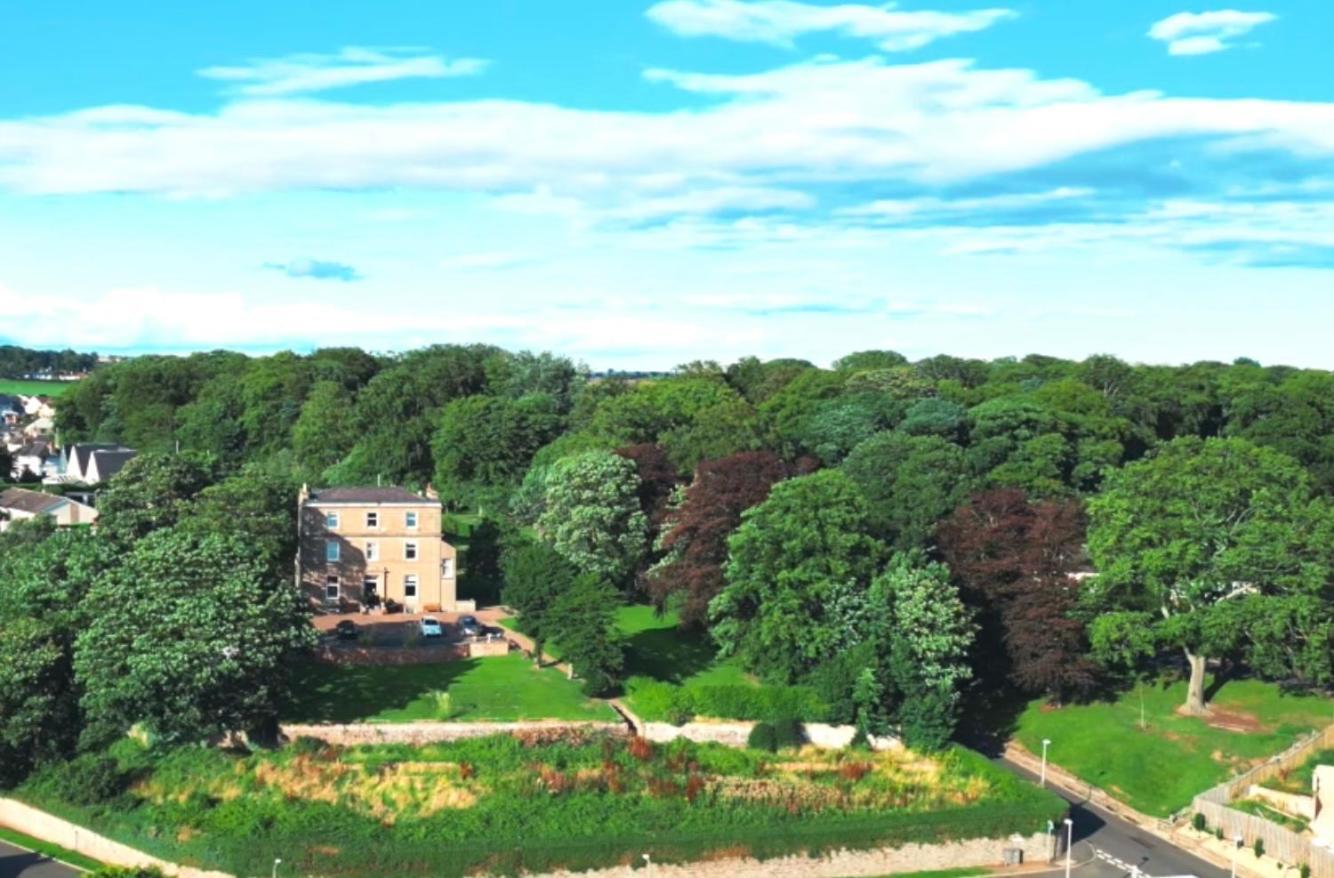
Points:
[(638, 184)]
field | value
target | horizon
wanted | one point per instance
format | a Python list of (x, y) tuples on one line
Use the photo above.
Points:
[(673, 180)]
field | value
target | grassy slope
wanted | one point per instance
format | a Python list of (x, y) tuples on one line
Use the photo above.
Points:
[(1161, 768), (501, 689), (33, 388)]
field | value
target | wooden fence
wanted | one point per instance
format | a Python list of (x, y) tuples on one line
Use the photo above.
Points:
[(1280, 842)]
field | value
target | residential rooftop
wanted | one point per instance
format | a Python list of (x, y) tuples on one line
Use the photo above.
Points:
[(373, 494)]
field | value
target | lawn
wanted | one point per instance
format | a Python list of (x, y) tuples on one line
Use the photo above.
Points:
[(500, 689), (501, 805), (1160, 768), (24, 387)]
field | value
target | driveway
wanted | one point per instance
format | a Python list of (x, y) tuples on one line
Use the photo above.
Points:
[(18, 863)]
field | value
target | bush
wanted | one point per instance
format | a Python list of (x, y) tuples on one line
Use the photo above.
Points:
[(1259, 848), (1218, 833), (598, 683), (90, 779), (1305, 871), (763, 737), (788, 733), (1199, 822), (118, 872)]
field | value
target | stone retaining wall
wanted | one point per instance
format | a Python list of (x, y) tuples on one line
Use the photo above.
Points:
[(736, 734), (49, 828), (355, 734)]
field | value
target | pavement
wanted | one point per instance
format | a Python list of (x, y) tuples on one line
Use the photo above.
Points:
[(1113, 847), (16, 862)]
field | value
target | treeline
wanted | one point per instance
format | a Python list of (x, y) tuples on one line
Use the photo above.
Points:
[(17, 362), (896, 534)]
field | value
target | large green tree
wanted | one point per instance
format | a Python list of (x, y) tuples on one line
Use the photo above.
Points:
[(910, 483), (796, 559), (483, 444), (1198, 526), (591, 514), (536, 575), (583, 620)]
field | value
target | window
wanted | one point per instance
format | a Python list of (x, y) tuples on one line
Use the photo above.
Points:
[(446, 568), (410, 586), (372, 519), (331, 588), (331, 550), (410, 519), (372, 551), (331, 520), (410, 551)]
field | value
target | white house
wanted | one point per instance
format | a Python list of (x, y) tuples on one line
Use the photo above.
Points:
[(93, 463), (39, 426), (20, 504), (37, 457), (39, 406)]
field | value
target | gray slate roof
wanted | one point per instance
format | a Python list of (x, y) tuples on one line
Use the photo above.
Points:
[(371, 494), (110, 462), (32, 502)]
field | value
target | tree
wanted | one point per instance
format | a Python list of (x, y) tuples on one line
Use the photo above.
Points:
[(1198, 525), (657, 479), (583, 620), (591, 514), (326, 429), (910, 483), (795, 558), (536, 575), (484, 444), (192, 637), (152, 491), (694, 540), (1014, 560)]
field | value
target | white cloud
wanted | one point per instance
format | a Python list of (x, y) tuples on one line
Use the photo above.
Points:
[(1203, 33), (779, 22), (486, 260), (354, 65)]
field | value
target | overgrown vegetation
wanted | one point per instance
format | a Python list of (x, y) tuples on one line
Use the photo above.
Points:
[(506, 804)]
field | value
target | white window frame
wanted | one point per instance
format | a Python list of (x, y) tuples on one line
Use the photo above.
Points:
[(333, 552), (410, 520), (411, 552), (372, 550), (331, 520), (333, 588), (373, 520), (446, 567), (410, 586)]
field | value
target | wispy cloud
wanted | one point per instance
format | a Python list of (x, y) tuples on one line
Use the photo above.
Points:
[(354, 65), (779, 22), (1203, 33), (317, 269)]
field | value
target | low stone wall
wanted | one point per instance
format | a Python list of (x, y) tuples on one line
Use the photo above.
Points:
[(389, 655), (486, 648), (356, 734), (736, 734), (843, 864), (49, 828)]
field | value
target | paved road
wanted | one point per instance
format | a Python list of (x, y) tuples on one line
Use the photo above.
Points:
[(1124, 842), (16, 862)]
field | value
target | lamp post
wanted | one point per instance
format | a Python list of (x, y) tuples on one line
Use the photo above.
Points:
[(1236, 847), (276, 863), (1046, 742), (1069, 844)]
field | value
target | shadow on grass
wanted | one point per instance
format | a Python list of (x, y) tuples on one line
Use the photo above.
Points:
[(326, 693), (668, 653)]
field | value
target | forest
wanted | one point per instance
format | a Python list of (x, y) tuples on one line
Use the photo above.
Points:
[(906, 538)]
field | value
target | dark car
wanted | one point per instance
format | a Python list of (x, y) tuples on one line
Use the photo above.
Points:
[(470, 626), (346, 630)]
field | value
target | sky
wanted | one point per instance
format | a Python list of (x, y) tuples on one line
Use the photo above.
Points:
[(640, 184)]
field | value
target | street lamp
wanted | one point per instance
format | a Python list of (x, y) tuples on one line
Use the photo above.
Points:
[(1069, 843), (276, 863), (1239, 842), (1046, 742)]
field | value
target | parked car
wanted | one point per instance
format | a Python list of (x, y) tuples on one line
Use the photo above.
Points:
[(347, 630), (470, 626), (430, 627)]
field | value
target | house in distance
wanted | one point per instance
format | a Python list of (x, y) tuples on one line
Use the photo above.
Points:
[(358, 548)]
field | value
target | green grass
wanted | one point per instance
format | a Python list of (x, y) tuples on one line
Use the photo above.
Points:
[(1298, 780), (1260, 809), (1160, 768), (33, 388), (938, 873), (500, 689), (46, 849)]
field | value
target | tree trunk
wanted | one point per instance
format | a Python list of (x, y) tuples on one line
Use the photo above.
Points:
[(1195, 692), (537, 652)]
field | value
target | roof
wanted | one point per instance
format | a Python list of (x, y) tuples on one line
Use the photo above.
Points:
[(82, 452), (36, 448), (33, 502), (110, 462), (371, 494)]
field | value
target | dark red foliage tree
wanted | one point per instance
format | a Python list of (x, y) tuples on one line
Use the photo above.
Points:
[(695, 535), (657, 479), (1014, 561)]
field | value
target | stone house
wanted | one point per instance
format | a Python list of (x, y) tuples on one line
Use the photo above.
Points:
[(363, 546)]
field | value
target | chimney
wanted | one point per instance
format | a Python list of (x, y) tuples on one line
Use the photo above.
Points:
[(431, 493)]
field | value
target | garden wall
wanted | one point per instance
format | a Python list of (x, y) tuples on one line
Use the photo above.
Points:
[(843, 864), (52, 829), (356, 734), (736, 734)]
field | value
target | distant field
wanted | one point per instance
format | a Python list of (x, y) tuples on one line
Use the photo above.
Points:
[(33, 388)]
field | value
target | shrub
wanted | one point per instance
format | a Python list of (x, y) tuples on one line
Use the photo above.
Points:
[(598, 683), (763, 737), (118, 872), (1218, 833), (1199, 822), (1259, 848), (90, 779), (308, 746), (788, 733), (1305, 871)]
